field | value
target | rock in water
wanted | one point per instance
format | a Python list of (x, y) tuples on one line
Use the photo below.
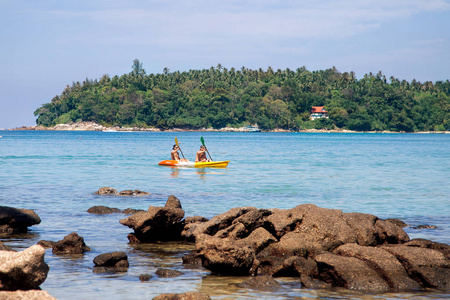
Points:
[(23, 270), (185, 296), (106, 191), (71, 244), (13, 220)]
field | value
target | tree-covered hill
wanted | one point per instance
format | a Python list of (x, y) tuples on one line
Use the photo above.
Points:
[(220, 97)]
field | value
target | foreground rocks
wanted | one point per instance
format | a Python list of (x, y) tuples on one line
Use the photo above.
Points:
[(156, 224), (26, 295), (23, 270), (16, 220)]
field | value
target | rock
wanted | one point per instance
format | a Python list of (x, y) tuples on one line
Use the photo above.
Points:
[(264, 283), (103, 210), (132, 193), (71, 244), (184, 296), (4, 247), (429, 267), (145, 277), (398, 222), (26, 295), (192, 259), (425, 227), (14, 220), (106, 191), (46, 244), (191, 224), (156, 224), (382, 262), (112, 259), (173, 202), (422, 243), (313, 283), (23, 270), (168, 273), (130, 211)]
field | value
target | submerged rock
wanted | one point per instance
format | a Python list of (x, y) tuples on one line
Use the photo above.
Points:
[(167, 273), (264, 283), (103, 210), (71, 244), (15, 220), (112, 259), (132, 193), (106, 191), (23, 270)]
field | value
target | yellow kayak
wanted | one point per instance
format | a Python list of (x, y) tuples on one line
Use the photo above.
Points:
[(209, 164)]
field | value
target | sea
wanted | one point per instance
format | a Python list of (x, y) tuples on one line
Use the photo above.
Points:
[(56, 173)]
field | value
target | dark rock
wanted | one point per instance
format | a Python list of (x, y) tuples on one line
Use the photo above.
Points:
[(192, 259), (112, 259), (46, 244), (23, 270), (191, 224), (4, 247), (132, 193), (102, 210), (156, 224), (398, 222), (173, 202), (264, 283), (425, 227), (185, 296), (130, 211), (168, 273), (145, 277), (106, 191), (15, 220), (195, 219), (71, 244), (313, 283)]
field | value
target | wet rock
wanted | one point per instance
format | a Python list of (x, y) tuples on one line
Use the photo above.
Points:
[(15, 220), (46, 244), (191, 224), (106, 191), (103, 210), (425, 227), (130, 211), (23, 270), (4, 247), (112, 259), (263, 283), (192, 259), (132, 193), (145, 277), (398, 222), (71, 244), (156, 224), (173, 202), (26, 295), (313, 283), (167, 273), (184, 296)]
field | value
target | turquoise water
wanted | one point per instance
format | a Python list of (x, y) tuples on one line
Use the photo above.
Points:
[(402, 176)]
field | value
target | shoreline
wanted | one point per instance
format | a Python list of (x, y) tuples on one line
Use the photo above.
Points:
[(92, 126)]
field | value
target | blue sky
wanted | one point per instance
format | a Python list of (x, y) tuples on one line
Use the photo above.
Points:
[(46, 45)]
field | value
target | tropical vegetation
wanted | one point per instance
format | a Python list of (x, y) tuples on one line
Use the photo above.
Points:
[(219, 97)]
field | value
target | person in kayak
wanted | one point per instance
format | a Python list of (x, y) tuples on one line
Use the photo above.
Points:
[(175, 155), (201, 155)]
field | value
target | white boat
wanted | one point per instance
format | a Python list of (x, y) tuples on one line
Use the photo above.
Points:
[(252, 128)]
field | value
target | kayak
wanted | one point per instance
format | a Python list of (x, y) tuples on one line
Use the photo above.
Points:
[(209, 164)]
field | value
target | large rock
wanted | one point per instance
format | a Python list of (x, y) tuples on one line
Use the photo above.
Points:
[(156, 224), (71, 244), (13, 220), (26, 295), (23, 270)]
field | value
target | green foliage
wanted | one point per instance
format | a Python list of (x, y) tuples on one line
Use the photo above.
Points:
[(218, 97)]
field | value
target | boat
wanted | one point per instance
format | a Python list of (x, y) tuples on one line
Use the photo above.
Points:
[(206, 164), (252, 128)]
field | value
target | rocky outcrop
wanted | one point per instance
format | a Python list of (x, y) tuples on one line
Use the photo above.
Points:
[(15, 220), (23, 270), (157, 223), (184, 296), (113, 192), (26, 295), (71, 244), (324, 247)]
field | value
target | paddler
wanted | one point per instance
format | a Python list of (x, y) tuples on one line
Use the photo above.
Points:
[(201, 155), (175, 155)]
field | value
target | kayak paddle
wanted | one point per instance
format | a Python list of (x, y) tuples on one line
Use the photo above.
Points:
[(203, 143), (176, 143)]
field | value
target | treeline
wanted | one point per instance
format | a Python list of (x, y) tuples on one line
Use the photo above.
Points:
[(220, 97)]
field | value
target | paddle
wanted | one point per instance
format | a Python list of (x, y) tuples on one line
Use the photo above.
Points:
[(176, 143), (203, 143)]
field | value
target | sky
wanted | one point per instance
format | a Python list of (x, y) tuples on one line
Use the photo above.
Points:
[(49, 44)]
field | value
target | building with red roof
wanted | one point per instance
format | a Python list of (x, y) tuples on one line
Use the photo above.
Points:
[(318, 112)]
